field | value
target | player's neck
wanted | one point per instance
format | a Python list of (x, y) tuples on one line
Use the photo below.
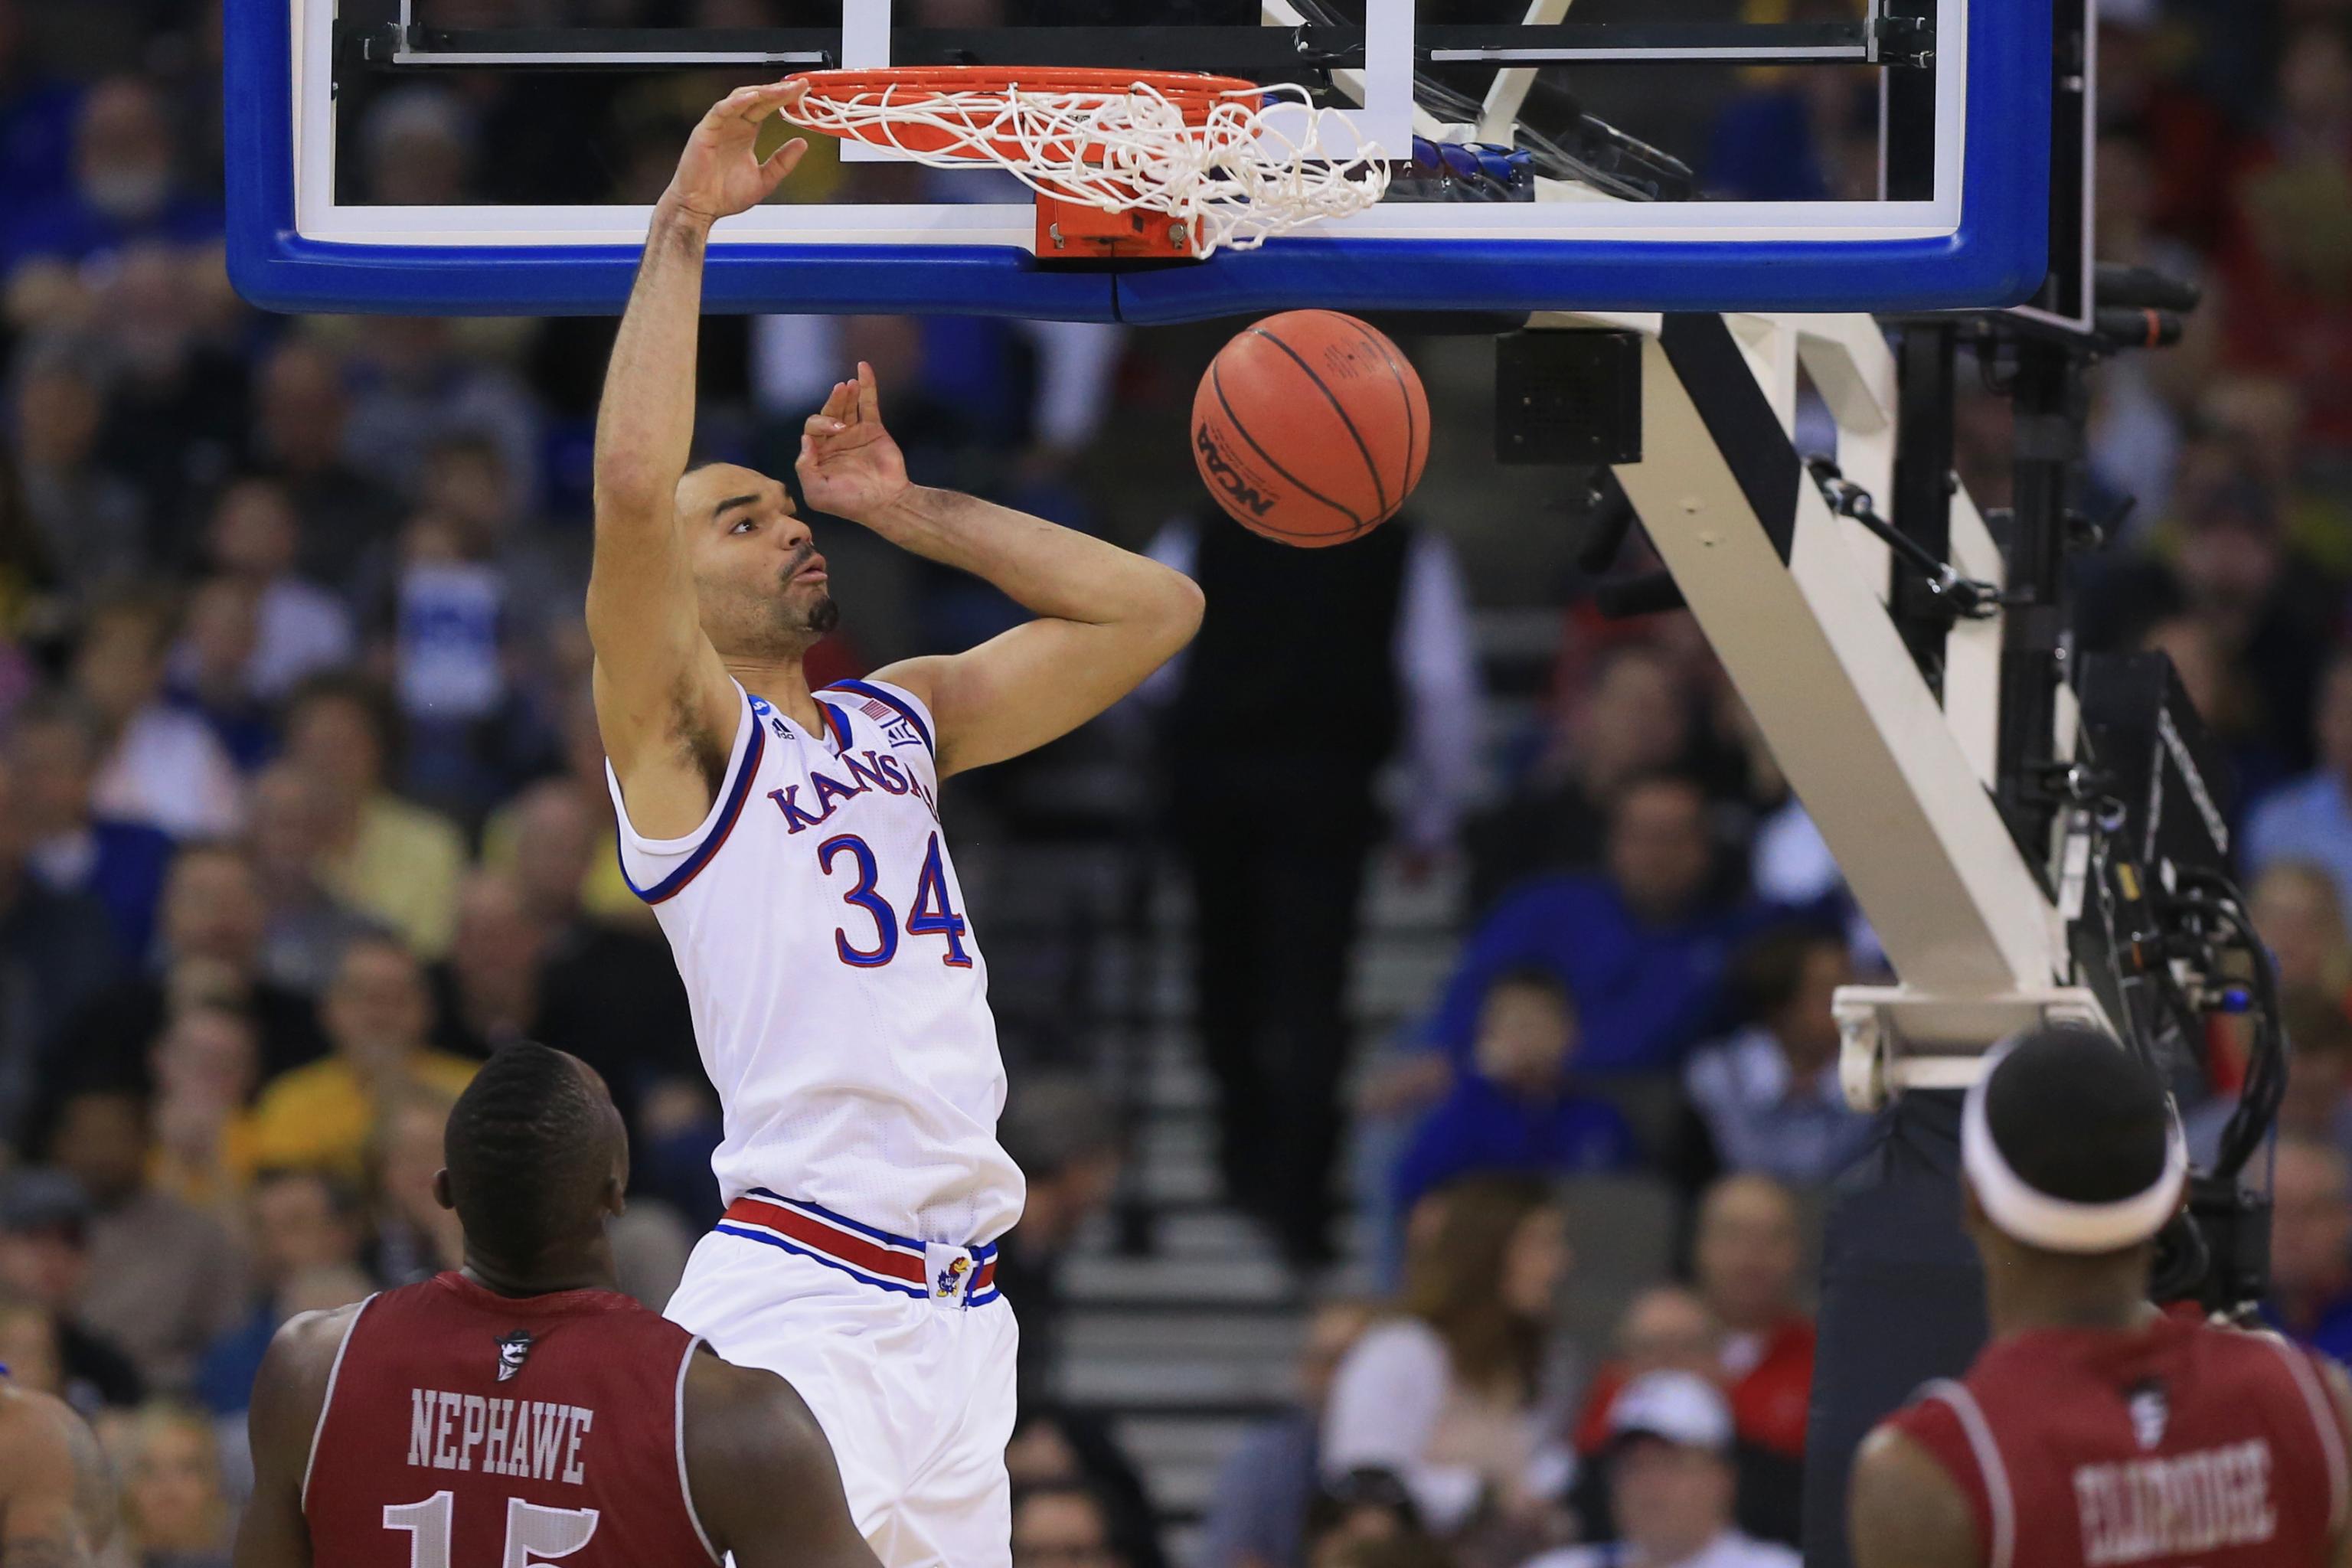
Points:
[(783, 684), (586, 1270), (2022, 1299)]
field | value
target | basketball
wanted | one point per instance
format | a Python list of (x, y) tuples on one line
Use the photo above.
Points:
[(1310, 428)]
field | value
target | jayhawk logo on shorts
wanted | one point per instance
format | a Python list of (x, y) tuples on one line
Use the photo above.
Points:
[(952, 1275)]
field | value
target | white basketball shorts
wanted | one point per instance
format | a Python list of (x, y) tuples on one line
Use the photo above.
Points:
[(912, 1383)]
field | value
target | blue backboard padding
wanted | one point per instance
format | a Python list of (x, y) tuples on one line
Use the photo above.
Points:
[(1997, 257)]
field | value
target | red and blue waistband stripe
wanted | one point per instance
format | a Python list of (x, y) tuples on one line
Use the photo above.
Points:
[(875, 1257), (892, 699)]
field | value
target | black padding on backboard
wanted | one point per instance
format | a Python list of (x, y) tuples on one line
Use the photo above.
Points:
[(1738, 415), (1902, 1298)]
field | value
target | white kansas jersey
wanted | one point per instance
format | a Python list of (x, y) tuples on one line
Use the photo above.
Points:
[(840, 1001)]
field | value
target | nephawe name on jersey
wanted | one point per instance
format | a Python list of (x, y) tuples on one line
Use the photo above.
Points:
[(2176, 1506), (531, 1438), (869, 770)]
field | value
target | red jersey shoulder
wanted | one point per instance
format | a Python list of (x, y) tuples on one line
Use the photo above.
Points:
[(2173, 1443), (462, 1415)]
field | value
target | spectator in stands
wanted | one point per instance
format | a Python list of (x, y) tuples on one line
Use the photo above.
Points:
[(1055, 1448), (1065, 1137), (300, 628), (54, 747), (387, 859), (162, 765), (1747, 1259), (301, 416), (1257, 1508), (1062, 1527), (218, 634), (418, 379), (609, 993), (2317, 1105), (305, 927), (602, 895), (1768, 1098), (379, 1018), (2295, 905), (206, 1069), (1672, 1483), (124, 187), (174, 1501), (1276, 835), (30, 1350), (210, 952), (486, 993), (1642, 946), (44, 1260), (2310, 818), (1445, 1393), (56, 950), (2311, 1246), (175, 413), (165, 1278), (1635, 718), (1669, 1328), (90, 524), (307, 1231), (415, 1237), (1515, 1109)]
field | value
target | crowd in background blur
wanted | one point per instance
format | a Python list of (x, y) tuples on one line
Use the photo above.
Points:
[(302, 810)]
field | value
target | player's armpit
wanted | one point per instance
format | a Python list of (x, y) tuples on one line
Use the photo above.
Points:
[(289, 1394), (1903, 1511), (761, 1476)]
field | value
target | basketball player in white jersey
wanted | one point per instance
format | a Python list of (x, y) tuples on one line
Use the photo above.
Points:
[(788, 841)]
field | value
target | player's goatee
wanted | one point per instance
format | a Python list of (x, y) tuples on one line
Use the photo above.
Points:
[(824, 616)]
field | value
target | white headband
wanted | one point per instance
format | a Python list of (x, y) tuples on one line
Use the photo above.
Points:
[(2061, 1225)]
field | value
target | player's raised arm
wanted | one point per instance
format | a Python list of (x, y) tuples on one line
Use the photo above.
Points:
[(1903, 1511), (56, 1498), (662, 700), (289, 1392), (760, 1474), (1107, 616)]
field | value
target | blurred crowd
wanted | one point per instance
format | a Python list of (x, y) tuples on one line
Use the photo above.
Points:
[(303, 809)]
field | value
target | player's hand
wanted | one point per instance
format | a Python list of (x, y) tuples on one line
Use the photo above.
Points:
[(848, 465), (718, 175)]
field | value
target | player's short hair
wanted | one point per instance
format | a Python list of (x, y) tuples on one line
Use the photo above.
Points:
[(2077, 1117), (527, 1150)]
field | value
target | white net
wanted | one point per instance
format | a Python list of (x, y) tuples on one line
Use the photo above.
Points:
[(1264, 160)]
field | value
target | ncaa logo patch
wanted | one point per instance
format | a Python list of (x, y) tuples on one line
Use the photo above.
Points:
[(2151, 1413)]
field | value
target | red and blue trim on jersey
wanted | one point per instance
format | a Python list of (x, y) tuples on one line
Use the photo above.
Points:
[(892, 700), (837, 723), (875, 1257), (738, 790)]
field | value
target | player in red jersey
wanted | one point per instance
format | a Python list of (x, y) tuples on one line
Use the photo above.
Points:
[(521, 1410), (2094, 1431)]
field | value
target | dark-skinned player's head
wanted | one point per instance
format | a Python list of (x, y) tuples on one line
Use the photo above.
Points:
[(2072, 1152), (536, 1161), (760, 583)]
